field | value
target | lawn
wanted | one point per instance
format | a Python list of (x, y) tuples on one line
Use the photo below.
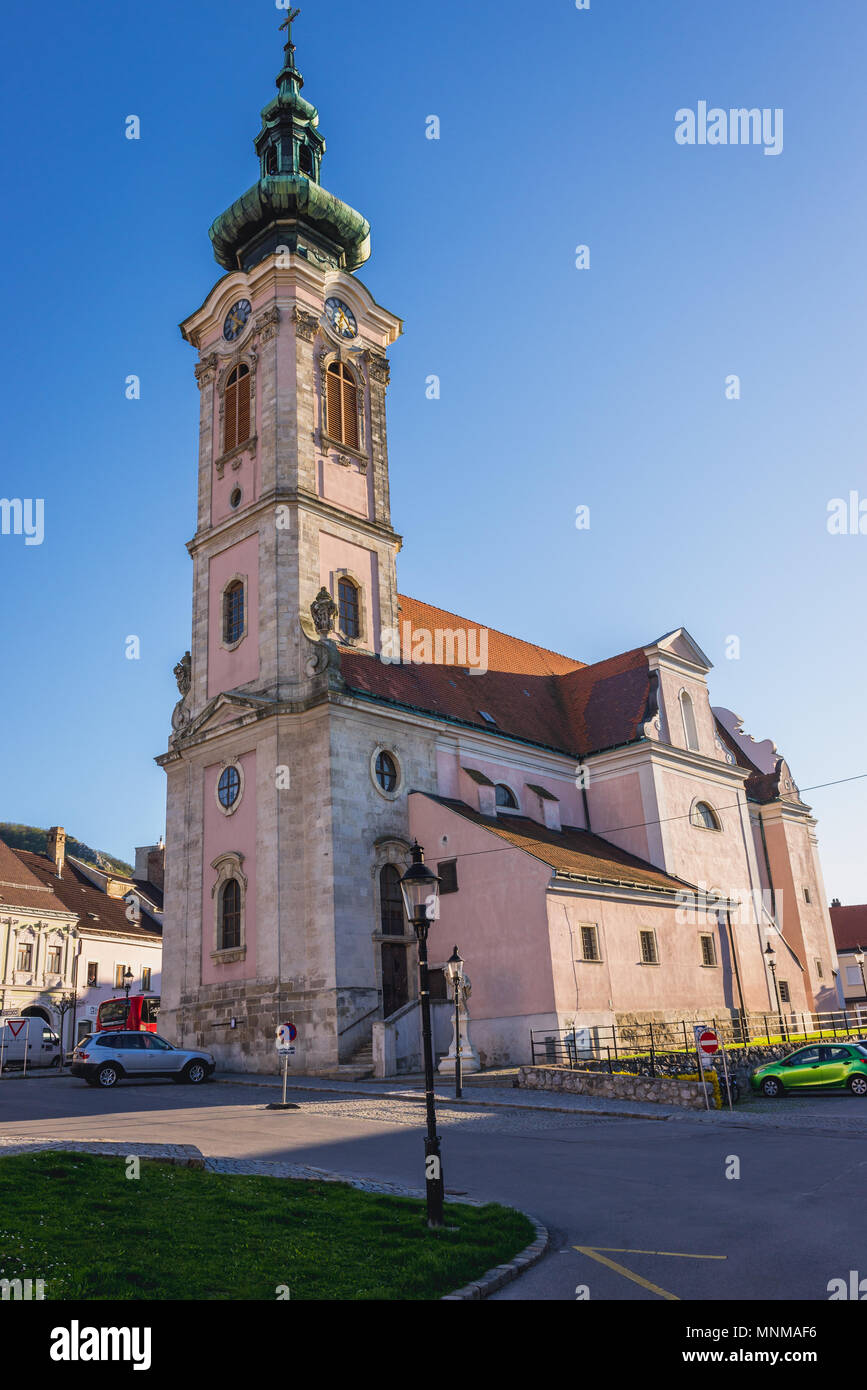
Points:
[(78, 1222)]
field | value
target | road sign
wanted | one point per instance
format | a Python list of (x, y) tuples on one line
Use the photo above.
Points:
[(708, 1042), (286, 1035), (16, 1026)]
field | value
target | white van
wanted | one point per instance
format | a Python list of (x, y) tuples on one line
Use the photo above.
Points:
[(40, 1041)]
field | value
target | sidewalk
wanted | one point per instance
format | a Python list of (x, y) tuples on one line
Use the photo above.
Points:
[(806, 1119)]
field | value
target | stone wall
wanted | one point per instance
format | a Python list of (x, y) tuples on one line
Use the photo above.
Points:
[(664, 1090), (741, 1061)]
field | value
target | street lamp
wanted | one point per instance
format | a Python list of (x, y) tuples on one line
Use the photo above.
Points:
[(859, 961), (771, 956), (127, 978), (455, 971), (420, 887)]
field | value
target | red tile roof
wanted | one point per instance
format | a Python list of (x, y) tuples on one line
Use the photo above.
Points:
[(850, 926), (533, 694), (95, 909), (21, 888), (570, 850)]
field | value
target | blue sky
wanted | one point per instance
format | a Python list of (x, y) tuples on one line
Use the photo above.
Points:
[(560, 387)]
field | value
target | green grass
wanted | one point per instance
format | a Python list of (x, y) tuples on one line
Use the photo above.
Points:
[(76, 1221)]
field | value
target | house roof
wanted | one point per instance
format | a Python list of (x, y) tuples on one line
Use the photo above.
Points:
[(20, 887), (850, 926), (570, 851), (531, 693), (95, 909)]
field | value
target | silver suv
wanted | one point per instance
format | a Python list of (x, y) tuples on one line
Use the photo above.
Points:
[(103, 1059)]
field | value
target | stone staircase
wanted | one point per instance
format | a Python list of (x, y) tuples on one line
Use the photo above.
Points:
[(358, 1069)]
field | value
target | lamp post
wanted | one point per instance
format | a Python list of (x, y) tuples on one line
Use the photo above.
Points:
[(420, 888), (455, 968), (771, 957), (127, 978), (859, 961)]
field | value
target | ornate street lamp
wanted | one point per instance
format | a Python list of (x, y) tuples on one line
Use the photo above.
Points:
[(455, 971), (771, 956), (859, 961), (127, 978), (420, 887)]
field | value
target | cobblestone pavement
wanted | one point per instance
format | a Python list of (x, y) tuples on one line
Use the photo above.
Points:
[(537, 1110)]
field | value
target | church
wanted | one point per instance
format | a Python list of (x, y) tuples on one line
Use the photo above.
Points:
[(611, 847)]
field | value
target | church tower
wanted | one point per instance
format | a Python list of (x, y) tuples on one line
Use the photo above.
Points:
[(293, 548)]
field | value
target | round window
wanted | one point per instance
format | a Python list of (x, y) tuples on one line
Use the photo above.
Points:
[(386, 772), (229, 786), (235, 499)]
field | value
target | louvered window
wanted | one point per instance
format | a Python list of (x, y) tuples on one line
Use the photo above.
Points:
[(237, 408), (342, 405)]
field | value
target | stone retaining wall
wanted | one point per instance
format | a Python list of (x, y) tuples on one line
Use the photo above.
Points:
[(664, 1090)]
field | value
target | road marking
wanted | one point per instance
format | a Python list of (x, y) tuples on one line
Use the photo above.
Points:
[(673, 1254), (594, 1253)]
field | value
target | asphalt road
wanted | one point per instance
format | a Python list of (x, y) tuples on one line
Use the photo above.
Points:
[(649, 1204)]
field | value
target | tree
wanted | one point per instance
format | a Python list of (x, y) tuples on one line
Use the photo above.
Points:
[(63, 1006)]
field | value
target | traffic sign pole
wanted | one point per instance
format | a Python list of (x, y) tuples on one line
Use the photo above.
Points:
[(286, 1034)]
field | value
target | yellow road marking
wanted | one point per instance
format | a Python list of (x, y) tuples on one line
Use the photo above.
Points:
[(673, 1254), (595, 1254)]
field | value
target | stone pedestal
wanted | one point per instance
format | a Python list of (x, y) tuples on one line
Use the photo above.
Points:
[(469, 1057)]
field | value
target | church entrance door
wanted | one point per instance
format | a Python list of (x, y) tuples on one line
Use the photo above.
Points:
[(395, 979)]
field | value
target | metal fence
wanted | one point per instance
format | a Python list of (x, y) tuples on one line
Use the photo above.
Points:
[(637, 1046)]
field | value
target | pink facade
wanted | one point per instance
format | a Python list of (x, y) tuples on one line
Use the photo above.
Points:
[(230, 668), (235, 834)]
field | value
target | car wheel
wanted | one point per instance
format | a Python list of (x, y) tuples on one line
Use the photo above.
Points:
[(858, 1085), (195, 1073), (772, 1086), (108, 1075)]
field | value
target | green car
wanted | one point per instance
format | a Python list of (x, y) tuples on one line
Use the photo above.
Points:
[(821, 1067)]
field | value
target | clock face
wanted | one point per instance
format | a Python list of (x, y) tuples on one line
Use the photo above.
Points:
[(236, 320), (341, 318)]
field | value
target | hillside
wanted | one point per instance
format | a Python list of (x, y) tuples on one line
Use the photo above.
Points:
[(32, 838)]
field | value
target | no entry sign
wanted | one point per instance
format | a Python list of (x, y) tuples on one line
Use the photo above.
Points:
[(708, 1042)]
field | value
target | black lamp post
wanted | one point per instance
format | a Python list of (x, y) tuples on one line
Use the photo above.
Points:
[(771, 955), (455, 968), (420, 887), (127, 980)]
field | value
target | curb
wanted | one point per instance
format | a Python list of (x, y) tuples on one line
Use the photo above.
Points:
[(501, 1275), (188, 1156)]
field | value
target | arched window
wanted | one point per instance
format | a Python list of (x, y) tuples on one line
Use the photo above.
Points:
[(704, 817), (271, 159), (230, 916), (233, 612), (689, 726), (390, 902), (350, 608), (305, 161), (236, 402), (342, 405), (506, 797)]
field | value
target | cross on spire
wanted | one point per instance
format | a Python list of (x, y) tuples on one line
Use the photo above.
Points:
[(287, 25)]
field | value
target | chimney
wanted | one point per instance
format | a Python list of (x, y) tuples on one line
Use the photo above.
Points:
[(835, 902), (150, 864), (55, 850)]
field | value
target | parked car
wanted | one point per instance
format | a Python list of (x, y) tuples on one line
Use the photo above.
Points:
[(820, 1067), (103, 1059), (20, 1035)]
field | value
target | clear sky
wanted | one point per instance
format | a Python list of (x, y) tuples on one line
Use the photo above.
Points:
[(560, 387)]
